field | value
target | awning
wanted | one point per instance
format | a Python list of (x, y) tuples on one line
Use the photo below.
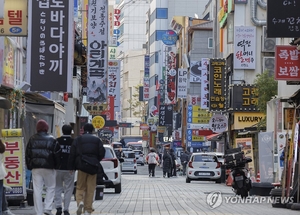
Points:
[(4, 103), (213, 137)]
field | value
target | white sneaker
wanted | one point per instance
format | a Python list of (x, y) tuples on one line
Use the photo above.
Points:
[(87, 213), (79, 208)]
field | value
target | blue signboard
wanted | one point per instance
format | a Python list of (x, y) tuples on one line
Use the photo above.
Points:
[(196, 144), (190, 114), (189, 135), (75, 9), (116, 31), (169, 38)]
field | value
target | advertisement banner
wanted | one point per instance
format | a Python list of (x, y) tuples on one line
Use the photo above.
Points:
[(171, 74), (97, 51), (13, 18), (50, 50), (9, 64), (14, 163), (113, 73), (195, 71), (244, 47), (246, 145), (265, 154), (217, 85), (204, 83), (287, 63), (1, 57), (182, 83), (146, 89)]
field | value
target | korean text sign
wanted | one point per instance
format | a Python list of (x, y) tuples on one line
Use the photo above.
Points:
[(244, 47), (287, 63), (204, 82), (283, 18), (217, 85), (165, 115), (182, 83), (14, 22), (50, 45), (14, 164), (113, 73), (97, 50)]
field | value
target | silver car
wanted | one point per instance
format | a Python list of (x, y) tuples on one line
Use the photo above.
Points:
[(129, 164), (140, 157)]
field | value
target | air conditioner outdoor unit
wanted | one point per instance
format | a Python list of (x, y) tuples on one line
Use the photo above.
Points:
[(269, 64), (268, 44)]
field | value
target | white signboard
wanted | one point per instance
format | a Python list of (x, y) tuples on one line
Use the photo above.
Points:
[(244, 47), (218, 123), (197, 126), (113, 82), (97, 51), (204, 83), (195, 71), (182, 83)]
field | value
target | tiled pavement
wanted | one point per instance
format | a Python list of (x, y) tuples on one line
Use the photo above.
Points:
[(142, 195)]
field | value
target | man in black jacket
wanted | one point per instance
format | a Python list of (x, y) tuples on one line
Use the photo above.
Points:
[(64, 178), (42, 156), (89, 146)]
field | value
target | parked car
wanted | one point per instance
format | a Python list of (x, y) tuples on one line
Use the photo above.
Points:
[(129, 164), (112, 168), (203, 166), (140, 157)]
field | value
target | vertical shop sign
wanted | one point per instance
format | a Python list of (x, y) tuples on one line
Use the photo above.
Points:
[(165, 115), (244, 47), (146, 88), (171, 74), (182, 83), (287, 63), (97, 50), (217, 85), (14, 161), (50, 45), (204, 82), (114, 82)]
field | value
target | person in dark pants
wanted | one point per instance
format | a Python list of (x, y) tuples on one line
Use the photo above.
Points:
[(184, 159), (173, 170), (167, 164), (152, 160), (5, 209), (64, 177)]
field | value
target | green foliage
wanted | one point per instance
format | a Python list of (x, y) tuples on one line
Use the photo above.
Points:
[(137, 107), (266, 89)]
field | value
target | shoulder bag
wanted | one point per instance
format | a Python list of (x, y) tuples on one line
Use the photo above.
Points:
[(89, 164)]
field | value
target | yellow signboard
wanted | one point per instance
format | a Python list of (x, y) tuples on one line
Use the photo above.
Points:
[(201, 120), (17, 132), (95, 109), (247, 119), (84, 21), (198, 138), (288, 118), (15, 19), (98, 122), (198, 109)]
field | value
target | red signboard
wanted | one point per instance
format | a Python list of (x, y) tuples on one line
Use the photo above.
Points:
[(197, 132), (287, 63)]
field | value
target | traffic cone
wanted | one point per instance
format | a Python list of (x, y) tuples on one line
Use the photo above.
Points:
[(258, 177), (229, 179)]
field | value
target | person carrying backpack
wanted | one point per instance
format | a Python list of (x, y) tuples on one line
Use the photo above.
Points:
[(152, 160)]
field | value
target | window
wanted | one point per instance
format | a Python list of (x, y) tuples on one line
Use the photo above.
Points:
[(159, 34), (156, 57), (152, 38), (210, 43), (152, 17), (161, 13), (121, 28)]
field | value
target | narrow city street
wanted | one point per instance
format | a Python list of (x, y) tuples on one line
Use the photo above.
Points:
[(161, 196)]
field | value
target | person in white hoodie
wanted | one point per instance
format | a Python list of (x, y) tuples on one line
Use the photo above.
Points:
[(152, 160)]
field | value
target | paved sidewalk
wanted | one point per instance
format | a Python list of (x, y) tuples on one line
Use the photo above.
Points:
[(142, 195)]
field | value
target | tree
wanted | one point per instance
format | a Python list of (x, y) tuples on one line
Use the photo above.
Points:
[(137, 107), (266, 89)]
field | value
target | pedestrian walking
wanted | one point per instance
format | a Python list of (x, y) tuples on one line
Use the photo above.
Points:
[(174, 163), (86, 153), (42, 157), (5, 209), (184, 159), (152, 159), (167, 164), (64, 177)]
